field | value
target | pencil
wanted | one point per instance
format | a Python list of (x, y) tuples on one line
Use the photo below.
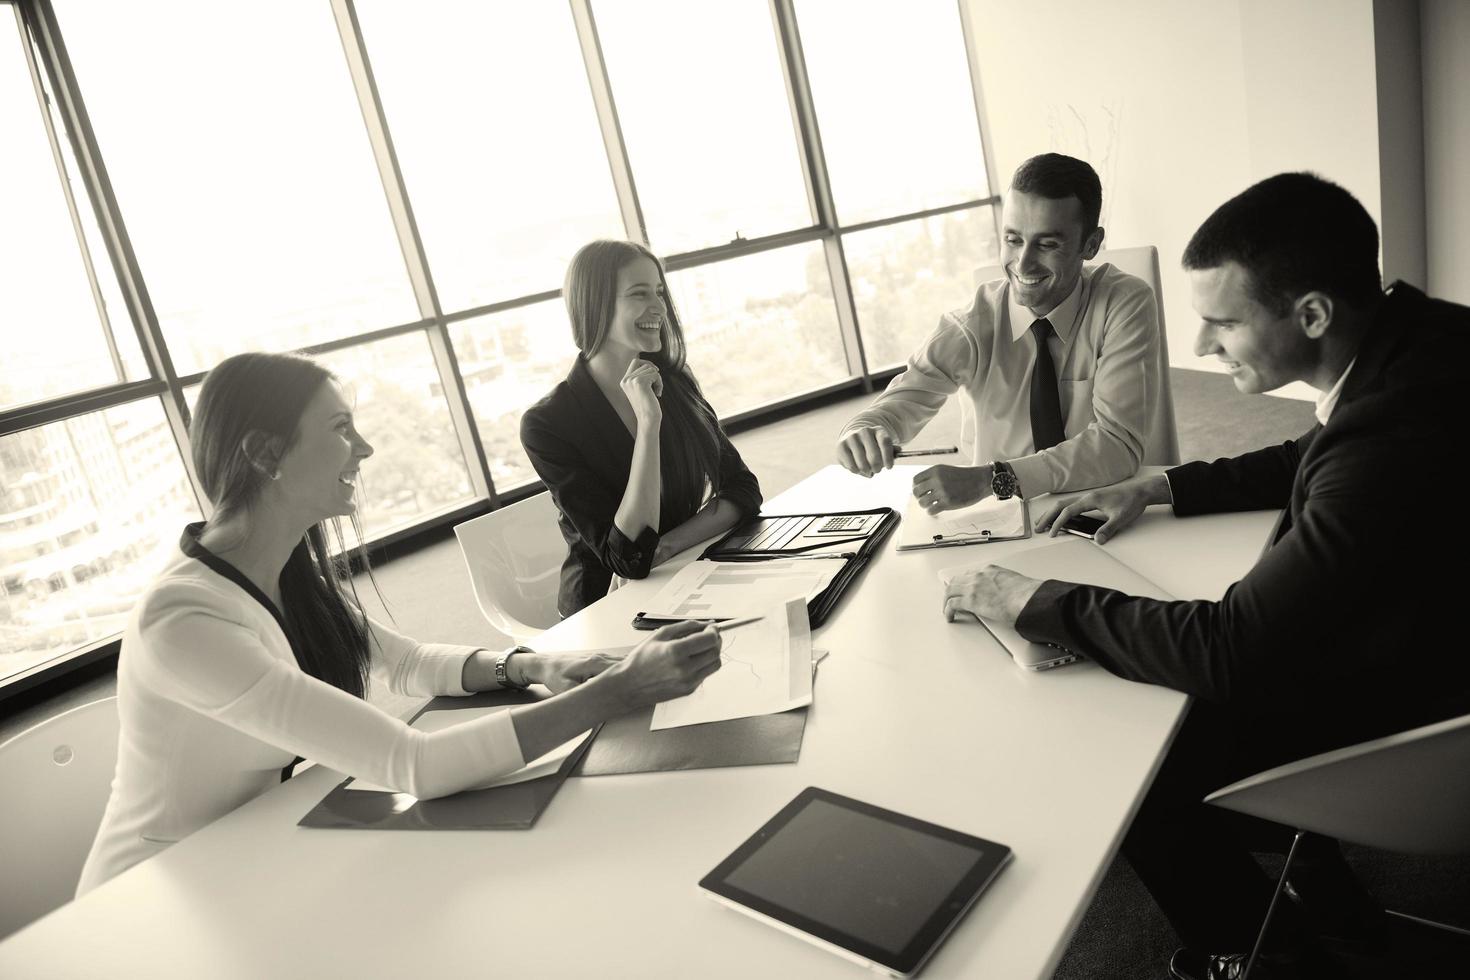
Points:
[(722, 625)]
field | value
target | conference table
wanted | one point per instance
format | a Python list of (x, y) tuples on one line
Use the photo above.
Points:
[(910, 712)]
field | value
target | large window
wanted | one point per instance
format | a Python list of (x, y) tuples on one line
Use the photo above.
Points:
[(58, 337), (397, 189), (89, 511), (505, 186), (238, 155)]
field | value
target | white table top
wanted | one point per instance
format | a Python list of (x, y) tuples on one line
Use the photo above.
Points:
[(911, 713)]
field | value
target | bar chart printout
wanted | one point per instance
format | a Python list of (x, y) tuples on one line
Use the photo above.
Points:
[(725, 589)]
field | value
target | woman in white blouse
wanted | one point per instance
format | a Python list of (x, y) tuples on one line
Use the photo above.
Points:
[(247, 651)]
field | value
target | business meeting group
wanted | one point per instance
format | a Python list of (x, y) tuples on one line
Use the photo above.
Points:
[(251, 651)]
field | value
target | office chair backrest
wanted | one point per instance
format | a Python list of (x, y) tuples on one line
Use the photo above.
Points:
[(56, 777), (1408, 792), (1161, 442), (515, 555)]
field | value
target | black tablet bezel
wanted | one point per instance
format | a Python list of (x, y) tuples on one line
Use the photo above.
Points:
[(944, 917)]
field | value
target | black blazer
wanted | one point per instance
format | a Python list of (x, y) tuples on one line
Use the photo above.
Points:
[(1353, 613), (582, 452)]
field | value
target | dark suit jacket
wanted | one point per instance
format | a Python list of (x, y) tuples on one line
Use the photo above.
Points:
[(582, 452), (1352, 616)]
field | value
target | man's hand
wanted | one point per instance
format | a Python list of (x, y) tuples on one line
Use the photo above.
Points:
[(866, 451), (1120, 503), (993, 593), (947, 487)]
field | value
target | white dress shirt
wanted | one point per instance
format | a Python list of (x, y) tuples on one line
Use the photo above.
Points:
[(1328, 401), (1105, 348), (212, 706)]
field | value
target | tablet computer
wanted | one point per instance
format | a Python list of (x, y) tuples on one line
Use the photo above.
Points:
[(866, 883)]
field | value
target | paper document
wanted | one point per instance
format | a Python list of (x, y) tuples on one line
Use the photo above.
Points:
[(767, 669), (433, 721), (1069, 560), (726, 589), (989, 520)]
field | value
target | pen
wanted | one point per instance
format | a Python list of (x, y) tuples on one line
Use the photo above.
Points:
[(937, 451), (721, 625)]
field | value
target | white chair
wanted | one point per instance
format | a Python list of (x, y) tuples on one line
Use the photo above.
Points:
[(1408, 793), (56, 777), (515, 555), (1161, 442)]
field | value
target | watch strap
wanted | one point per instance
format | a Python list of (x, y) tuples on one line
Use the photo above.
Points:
[(502, 673)]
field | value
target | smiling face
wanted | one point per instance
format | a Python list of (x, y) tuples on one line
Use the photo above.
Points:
[(1262, 350), (1043, 246), (318, 474), (640, 315)]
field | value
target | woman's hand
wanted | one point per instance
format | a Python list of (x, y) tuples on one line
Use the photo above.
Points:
[(563, 671), (1120, 503), (643, 385), (669, 664)]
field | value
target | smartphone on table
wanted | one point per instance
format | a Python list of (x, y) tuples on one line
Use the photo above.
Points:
[(1083, 526)]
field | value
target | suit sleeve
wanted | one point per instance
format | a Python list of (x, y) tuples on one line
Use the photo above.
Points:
[(584, 500), (1259, 480), (737, 484), (1265, 637)]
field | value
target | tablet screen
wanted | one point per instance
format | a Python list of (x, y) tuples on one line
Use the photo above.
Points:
[(880, 884), (878, 880)]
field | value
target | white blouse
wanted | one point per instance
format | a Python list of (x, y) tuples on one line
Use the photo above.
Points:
[(212, 706)]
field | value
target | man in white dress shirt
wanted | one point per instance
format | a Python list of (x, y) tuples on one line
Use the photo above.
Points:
[(1060, 362)]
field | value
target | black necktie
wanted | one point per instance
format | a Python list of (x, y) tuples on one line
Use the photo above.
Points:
[(1046, 404)]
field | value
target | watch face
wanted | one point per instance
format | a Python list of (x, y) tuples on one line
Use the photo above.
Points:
[(1003, 484)]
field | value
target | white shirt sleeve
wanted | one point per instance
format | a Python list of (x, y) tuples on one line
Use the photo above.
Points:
[(416, 669), (201, 654), (945, 363)]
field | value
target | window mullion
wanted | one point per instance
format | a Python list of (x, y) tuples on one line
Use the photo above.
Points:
[(607, 119), (819, 186), (967, 28), (412, 246), (41, 19), (119, 371)]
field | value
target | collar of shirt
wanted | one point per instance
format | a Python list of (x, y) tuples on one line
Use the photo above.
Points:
[(1327, 402), (1064, 317)]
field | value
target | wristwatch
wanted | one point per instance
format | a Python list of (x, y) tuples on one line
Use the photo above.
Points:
[(1003, 481), (502, 675)]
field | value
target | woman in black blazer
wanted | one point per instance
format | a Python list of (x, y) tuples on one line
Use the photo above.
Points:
[(633, 455)]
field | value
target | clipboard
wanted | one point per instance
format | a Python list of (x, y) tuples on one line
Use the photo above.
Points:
[(802, 536), (980, 523)]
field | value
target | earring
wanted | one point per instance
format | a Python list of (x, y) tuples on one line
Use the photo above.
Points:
[(276, 475)]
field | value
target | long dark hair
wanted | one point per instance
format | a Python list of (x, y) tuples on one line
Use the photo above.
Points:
[(689, 434), (251, 406)]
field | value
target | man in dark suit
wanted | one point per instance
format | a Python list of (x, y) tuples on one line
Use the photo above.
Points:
[(1347, 628)]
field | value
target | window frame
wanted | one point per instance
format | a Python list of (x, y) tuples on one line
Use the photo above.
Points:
[(54, 79)]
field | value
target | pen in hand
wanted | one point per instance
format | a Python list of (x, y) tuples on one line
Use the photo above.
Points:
[(723, 625), (936, 451)]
